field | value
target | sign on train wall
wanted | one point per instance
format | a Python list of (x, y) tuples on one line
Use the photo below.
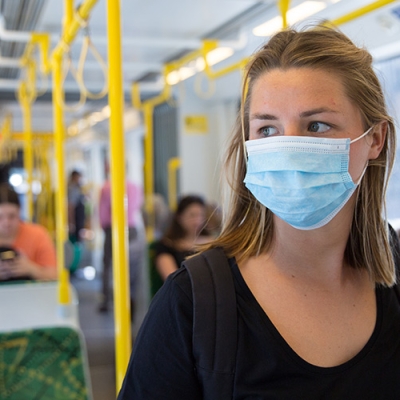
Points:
[(196, 123)]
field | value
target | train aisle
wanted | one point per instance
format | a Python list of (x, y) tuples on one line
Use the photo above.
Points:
[(98, 329)]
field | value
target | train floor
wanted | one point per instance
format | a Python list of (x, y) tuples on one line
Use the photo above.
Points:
[(98, 330)]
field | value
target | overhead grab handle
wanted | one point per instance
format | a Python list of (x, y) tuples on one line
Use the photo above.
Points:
[(86, 45), (284, 6)]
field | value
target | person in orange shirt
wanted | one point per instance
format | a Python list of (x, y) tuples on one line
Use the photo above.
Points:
[(26, 249)]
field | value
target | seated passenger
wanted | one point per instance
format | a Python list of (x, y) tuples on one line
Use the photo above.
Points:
[(213, 219), (184, 232), (161, 216), (28, 250)]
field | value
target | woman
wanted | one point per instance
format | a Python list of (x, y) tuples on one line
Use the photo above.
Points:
[(32, 249), (184, 232), (306, 241)]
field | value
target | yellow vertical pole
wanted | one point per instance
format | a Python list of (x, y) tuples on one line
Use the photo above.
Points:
[(148, 168), (68, 12), (28, 153), (123, 337), (284, 8), (61, 204), (173, 164)]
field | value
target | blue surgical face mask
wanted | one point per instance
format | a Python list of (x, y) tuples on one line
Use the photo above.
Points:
[(305, 181)]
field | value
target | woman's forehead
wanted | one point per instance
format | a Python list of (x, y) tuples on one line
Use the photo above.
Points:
[(8, 207), (301, 87)]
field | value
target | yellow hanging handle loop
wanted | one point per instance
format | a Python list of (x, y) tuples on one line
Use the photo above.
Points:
[(67, 65), (77, 73), (284, 8), (86, 45), (26, 92)]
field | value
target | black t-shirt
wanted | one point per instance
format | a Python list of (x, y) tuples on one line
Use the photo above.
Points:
[(162, 364), (157, 248), (179, 256)]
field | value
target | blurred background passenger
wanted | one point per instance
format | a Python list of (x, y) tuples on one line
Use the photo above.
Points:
[(186, 230), (162, 216), (76, 206), (134, 196), (213, 219), (26, 249)]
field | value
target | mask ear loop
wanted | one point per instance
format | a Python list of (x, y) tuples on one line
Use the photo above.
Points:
[(366, 165), (360, 137), (362, 175)]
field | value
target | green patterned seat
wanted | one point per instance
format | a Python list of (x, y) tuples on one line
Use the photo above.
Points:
[(43, 364)]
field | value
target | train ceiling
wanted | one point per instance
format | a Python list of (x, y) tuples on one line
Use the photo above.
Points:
[(155, 32)]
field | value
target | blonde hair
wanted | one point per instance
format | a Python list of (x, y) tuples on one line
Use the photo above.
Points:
[(248, 227)]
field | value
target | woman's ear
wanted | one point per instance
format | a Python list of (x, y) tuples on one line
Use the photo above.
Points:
[(378, 139)]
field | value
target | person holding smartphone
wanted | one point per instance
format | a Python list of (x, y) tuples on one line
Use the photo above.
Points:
[(26, 249)]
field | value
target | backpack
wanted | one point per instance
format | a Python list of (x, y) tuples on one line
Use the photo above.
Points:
[(215, 318), (214, 322)]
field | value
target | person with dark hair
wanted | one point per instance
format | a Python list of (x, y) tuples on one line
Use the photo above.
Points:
[(185, 230), (213, 219), (76, 206), (305, 251), (26, 250), (134, 200)]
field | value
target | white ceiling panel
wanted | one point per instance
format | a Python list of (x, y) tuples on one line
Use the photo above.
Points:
[(157, 31)]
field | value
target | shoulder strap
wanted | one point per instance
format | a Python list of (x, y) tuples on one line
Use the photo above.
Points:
[(395, 246), (214, 322)]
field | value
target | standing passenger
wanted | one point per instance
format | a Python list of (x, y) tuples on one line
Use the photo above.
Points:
[(134, 202), (306, 239), (76, 206)]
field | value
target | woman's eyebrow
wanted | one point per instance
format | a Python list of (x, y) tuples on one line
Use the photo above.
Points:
[(308, 113), (262, 117), (320, 110)]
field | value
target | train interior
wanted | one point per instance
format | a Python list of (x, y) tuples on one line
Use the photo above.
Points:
[(141, 90)]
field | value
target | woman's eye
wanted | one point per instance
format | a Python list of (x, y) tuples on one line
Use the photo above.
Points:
[(267, 131), (318, 127)]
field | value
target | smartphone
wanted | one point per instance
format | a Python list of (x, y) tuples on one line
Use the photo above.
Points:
[(8, 253)]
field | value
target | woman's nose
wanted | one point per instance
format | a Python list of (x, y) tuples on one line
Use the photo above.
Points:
[(292, 130)]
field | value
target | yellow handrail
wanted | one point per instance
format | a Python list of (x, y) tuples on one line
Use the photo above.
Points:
[(148, 108), (26, 106), (360, 12), (68, 13), (72, 27), (284, 8), (42, 136), (149, 169), (64, 295), (26, 95), (72, 23), (123, 337), (173, 165), (5, 132)]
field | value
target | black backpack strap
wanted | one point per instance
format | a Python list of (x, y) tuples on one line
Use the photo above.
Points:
[(214, 322), (395, 246)]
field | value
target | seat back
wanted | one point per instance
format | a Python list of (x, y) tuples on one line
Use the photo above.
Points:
[(42, 349), (43, 363)]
